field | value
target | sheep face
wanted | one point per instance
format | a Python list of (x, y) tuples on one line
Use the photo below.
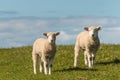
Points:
[(93, 31), (51, 36)]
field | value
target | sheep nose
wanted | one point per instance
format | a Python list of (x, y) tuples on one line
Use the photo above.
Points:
[(92, 35), (51, 40)]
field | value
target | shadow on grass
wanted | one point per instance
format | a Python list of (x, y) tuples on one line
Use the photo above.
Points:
[(115, 61), (76, 69)]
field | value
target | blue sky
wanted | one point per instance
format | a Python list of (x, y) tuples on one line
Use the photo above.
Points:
[(23, 21), (60, 8)]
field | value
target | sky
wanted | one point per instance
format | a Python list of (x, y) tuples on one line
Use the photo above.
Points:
[(23, 21)]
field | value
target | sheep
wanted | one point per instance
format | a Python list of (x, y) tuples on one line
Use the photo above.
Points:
[(89, 42), (46, 49)]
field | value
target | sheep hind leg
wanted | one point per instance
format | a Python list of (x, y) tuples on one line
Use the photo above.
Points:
[(34, 56), (76, 54)]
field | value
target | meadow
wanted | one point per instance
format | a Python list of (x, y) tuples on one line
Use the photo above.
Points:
[(16, 64)]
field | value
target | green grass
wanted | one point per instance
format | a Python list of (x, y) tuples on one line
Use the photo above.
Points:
[(16, 64)]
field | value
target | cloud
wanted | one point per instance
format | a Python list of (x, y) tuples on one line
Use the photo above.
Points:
[(110, 35), (8, 12), (113, 29), (23, 31), (66, 38), (19, 32)]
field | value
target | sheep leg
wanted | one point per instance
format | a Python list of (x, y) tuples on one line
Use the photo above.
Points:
[(34, 56), (89, 60), (41, 66), (45, 67), (93, 58), (85, 58), (76, 54), (50, 66)]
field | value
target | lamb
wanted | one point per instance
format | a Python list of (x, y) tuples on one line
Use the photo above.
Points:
[(46, 49), (89, 42)]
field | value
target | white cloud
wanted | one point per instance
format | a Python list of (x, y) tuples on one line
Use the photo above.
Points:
[(8, 12), (66, 38), (75, 30), (110, 36), (23, 31), (5, 35), (19, 32), (113, 28)]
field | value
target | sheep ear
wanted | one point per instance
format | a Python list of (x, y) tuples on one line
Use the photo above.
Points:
[(57, 33), (86, 28), (45, 34), (99, 27)]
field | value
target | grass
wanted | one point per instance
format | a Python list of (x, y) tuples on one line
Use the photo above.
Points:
[(16, 64)]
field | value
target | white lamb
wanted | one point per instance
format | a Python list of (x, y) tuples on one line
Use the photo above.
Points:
[(88, 41), (46, 49)]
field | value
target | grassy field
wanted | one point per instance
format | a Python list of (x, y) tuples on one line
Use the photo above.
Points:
[(16, 64)]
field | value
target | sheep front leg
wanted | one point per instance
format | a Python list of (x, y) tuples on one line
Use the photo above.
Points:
[(50, 66), (89, 60), (93, 58), (85, 58), (45, 67), (76, 53), (34, 56)]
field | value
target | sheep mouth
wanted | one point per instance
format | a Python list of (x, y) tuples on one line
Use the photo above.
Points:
[(93, 36), (52, 41)]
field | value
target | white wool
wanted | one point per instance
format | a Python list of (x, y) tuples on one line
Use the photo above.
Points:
[(46, 49), (89, 42)]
